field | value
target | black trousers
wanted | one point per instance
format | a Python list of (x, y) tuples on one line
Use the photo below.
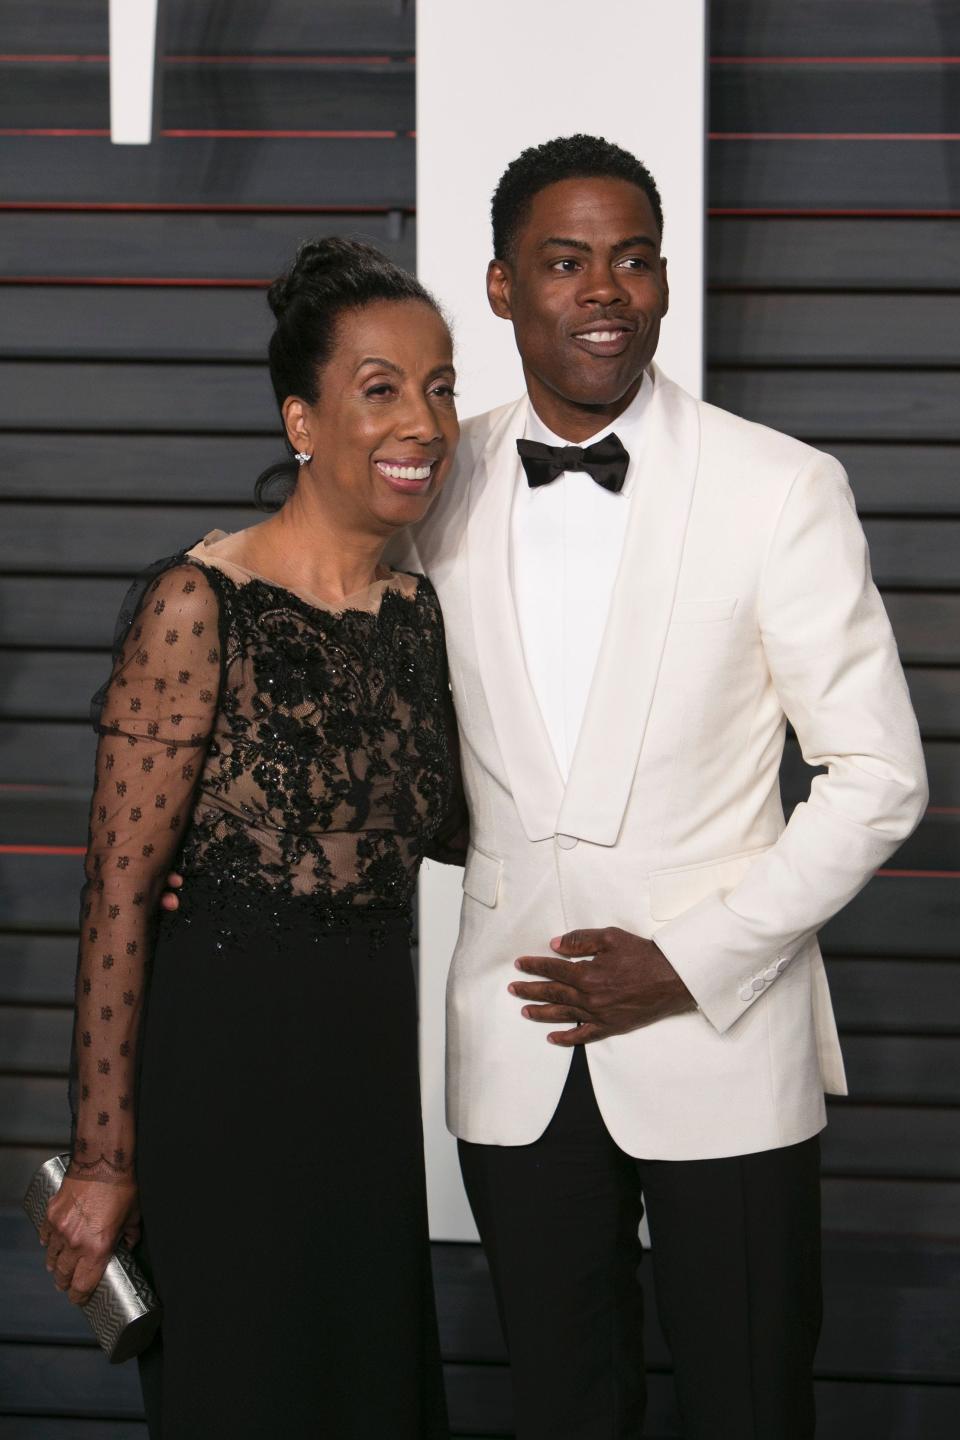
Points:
[(736, 1265)]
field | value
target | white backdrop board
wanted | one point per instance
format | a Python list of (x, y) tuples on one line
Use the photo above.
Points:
[(134, 77), (493, 78)]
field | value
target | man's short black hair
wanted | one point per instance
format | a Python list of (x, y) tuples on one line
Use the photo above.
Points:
[(570, 157)]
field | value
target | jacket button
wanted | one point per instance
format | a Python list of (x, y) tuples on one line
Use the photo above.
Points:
[(781, 965), (771, 974), (757, 983), (745, 992), (567, 842)]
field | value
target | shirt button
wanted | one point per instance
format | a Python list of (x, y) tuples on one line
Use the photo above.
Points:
[(757, 983), (567, 842), (745, 992)]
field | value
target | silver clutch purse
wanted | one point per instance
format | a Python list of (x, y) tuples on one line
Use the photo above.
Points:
[(123, 1311)]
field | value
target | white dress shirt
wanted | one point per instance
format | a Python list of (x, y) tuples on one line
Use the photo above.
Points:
[(566, 539)]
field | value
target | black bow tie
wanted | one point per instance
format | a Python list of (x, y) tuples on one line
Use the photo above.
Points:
[(605, 462)]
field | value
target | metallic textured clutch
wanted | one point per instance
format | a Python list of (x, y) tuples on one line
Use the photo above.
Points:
[(123, 1311)]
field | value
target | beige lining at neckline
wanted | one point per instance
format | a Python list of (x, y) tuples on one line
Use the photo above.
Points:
[(366, 598)]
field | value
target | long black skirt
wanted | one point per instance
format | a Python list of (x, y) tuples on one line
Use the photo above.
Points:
[(280, 1161)]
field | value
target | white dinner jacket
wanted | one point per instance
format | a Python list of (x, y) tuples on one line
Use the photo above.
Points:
[(743, 599)]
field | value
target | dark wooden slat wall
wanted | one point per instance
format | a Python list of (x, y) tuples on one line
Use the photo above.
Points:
[(251, 28), (223, 97), (134, 413), (833, 274)]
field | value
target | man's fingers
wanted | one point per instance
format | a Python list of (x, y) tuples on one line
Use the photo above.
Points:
[(581, 1036), (547, 992), (554, 1014), (578, 943), (549, 967)]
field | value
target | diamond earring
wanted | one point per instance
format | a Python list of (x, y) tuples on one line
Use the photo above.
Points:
[(302, 458)]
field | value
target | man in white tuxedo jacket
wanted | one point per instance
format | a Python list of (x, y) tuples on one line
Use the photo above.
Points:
[(624, 659)]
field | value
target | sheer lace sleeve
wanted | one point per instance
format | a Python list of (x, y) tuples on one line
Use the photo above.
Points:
[(155, 719)]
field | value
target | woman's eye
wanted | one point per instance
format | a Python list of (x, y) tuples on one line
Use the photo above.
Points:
[(445, 392), (378, 391)]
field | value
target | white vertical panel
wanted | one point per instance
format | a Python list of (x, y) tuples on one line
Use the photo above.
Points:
[(438, 921), (494, 76), (133, 45)]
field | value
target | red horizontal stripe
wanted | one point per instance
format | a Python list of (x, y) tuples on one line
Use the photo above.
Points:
[(943, 809), (835, 59), (43, 849), (61, 133), (297, 60), (135, 207), (769, 212), (147, 281), (920, 874), (54, 59), (830, 135), (280, 134)]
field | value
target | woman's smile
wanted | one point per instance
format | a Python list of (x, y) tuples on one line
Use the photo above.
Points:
[(410, 475)]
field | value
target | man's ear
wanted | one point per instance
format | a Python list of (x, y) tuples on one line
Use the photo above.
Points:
[(499, 283), (666, 284)]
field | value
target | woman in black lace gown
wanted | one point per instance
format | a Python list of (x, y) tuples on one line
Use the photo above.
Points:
[(277, 727)]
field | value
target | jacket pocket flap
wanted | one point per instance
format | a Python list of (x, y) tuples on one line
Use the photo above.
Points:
[(481, 876), (674, 891), (686, 611)]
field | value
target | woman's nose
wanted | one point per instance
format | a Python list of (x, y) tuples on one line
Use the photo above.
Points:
[(419, 423)]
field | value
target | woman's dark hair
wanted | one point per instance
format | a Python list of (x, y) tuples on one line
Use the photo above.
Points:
[(328, 277)]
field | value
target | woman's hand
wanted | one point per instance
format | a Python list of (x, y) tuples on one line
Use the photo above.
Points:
[(85, 1219)]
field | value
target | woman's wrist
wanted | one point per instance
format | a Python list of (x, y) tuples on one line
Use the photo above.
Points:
[(101, 1172)]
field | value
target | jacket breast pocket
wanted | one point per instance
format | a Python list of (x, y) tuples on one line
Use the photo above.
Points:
[(481, 877), (674, 891), (692, 612)]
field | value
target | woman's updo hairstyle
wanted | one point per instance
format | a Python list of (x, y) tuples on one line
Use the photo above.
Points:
[(328, 276)]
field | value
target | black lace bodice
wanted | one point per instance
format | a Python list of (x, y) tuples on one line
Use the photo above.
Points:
[(269, 748)]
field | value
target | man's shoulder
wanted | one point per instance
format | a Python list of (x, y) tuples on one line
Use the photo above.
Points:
[(476, 430), (750, 444)]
